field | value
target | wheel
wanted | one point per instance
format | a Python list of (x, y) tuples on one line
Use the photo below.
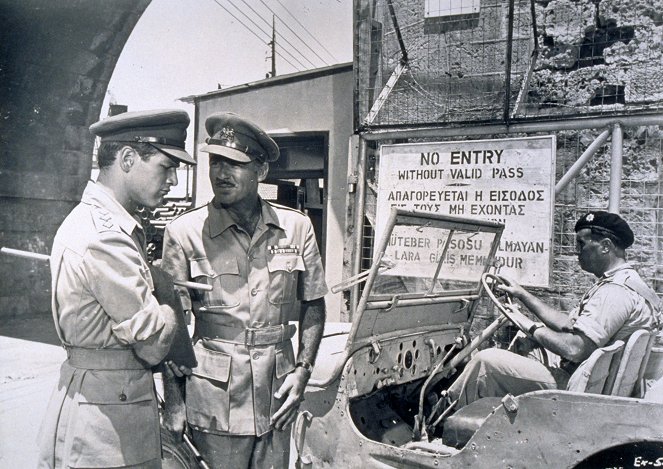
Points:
[(501, 299), (176, 455)]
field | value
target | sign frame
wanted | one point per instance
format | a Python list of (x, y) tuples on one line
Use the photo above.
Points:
[(516, 179)]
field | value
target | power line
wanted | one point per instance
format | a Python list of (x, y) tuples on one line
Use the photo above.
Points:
[(304, 27), (253, 32), (265, 32), (293, 32), (284, 38)]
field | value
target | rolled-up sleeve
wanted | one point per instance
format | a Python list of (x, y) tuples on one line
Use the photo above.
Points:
[(120, 281), (605, 313), (312, 283)]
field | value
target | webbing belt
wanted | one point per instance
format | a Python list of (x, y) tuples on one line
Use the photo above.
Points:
[(249, 336), (103, 359)]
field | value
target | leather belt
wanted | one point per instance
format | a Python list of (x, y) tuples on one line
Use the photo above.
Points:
[(104, 359), (249, 336)]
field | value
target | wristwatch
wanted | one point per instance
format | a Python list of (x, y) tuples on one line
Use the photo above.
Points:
[(306, 365), (534, 327)]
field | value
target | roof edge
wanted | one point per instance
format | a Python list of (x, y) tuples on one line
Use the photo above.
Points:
[(273, 81)]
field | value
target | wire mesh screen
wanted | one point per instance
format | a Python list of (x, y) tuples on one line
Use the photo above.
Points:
[(455, 61), (641, 205)]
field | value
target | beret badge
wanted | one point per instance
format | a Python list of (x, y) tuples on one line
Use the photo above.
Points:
[(589, 217)]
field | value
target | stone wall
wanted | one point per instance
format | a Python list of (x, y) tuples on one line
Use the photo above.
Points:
[(56, 59), (596, 58), (593, 57)]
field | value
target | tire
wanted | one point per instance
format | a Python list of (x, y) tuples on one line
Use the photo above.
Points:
[(176, 454)]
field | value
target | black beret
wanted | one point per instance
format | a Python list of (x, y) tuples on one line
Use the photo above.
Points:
[(164, 129), (606, 223), (239, 139)]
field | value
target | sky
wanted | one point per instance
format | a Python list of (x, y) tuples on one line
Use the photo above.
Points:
[(181, 48)]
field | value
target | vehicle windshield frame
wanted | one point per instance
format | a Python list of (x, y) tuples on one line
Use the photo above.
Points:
[(420, 220)]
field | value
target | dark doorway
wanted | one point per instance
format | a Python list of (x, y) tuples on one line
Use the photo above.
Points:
[(298, 178)]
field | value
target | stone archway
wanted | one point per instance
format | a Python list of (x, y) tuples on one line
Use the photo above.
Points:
[(56, 59)]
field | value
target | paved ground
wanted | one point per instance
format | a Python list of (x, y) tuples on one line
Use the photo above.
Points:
[(29, 370)]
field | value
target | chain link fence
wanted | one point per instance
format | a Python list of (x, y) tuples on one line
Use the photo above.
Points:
[(470, 61)]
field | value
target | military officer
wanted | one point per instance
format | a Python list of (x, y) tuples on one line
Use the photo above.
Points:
[(103, 412), (617, 305), (263, 262)]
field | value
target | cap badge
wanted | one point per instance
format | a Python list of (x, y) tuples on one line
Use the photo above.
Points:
[(227, 134), (589, 217)]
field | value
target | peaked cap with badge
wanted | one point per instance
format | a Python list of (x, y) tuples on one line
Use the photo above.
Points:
[(164, 129), (606, 223), (238, 139)]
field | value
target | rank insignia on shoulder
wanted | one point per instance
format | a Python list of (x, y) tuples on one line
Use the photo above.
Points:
[(103, 220), (285, 249)]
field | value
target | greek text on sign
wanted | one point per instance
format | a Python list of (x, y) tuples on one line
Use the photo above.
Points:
[(510, 181)]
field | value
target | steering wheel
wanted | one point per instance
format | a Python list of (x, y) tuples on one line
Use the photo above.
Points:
[(501, 299)]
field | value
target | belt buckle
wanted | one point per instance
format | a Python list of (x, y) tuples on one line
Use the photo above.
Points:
[(249, 337)]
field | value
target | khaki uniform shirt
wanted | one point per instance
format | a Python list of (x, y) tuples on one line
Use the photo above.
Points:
[(103, 412), (616, 306), (257, 282)]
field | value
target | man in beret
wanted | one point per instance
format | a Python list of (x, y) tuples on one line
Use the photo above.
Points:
[(103, 412), (617, 305), (263, 262)]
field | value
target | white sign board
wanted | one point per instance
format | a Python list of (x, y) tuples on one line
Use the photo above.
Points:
[(508, 180)]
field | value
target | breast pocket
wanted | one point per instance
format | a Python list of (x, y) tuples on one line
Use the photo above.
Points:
[(284, 272), (223, 277)]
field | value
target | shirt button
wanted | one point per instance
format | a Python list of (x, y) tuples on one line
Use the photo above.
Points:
[(254, 291), (123, 397), (256, 356)]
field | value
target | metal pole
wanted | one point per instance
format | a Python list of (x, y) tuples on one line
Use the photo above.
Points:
[(616, 168), (581, 162), (360, 196), (507, 64), (512, 128)]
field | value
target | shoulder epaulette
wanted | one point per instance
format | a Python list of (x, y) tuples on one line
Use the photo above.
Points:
[(284, 207), (103, 220)]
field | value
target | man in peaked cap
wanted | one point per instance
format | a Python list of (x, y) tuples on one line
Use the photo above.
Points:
[(263, 262), (617, 305), (103, 412)]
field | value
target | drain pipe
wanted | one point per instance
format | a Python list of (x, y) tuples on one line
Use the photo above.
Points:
[(616, 146), (360, 196)]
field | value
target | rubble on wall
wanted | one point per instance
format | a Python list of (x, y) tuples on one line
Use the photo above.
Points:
[(608, 52)]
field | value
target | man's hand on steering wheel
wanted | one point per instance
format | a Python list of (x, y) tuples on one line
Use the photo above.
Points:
[(495, 284), (510, 287)]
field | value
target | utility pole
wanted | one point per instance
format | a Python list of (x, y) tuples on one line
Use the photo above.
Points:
[(272, 43)]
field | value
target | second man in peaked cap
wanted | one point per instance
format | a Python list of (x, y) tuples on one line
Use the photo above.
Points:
[(263, 262)]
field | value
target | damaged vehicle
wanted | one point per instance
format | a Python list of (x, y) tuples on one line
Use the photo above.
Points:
[(374, 399)]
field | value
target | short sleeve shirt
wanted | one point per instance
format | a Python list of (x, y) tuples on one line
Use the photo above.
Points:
[(256, 280), (610, 310)]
